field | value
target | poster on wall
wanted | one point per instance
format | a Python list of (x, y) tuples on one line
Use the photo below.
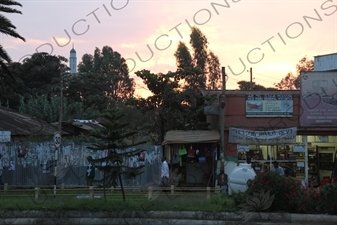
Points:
[(318, 99), (5, 136), (268, 137), (269, 105)]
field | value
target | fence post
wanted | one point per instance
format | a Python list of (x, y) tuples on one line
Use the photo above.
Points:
[(208, 192), (149, 193), (217, 189), (62, 186), (91, 192), (172, 189), (36, 192), (5, 186), (112, 189)]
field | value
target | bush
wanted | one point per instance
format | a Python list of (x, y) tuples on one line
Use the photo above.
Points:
[(239, 197), (287, 191), (329, 199)]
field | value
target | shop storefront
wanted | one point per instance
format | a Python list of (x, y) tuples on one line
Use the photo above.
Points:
[(310, 114), (192, 154), (316, 165)]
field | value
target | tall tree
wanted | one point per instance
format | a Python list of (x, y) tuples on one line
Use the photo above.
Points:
[(202, 70), (293, 82), (88, 89), (112, 138), (108, 69), (38, 75), (214, 73), (198, 69), (164, 105), (199, 45), (42, 73), (184, 61), (6, 27), (289, 82)]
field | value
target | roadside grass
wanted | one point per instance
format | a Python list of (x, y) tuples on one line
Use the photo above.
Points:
[(79, 200)]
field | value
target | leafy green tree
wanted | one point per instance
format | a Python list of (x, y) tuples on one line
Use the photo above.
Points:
[(112, 137), (48, 109), (214, 72), (293, 82), (41, 75), (7, 28), (138, 121), (202, 71), (164, 105), (10, 93), (36, 76), (289, 82), (87, 89), (199, 45), (106, 74)]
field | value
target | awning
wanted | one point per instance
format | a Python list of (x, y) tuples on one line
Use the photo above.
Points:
[(191, 136)]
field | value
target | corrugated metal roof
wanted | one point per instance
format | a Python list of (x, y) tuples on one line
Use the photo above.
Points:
[(21, 124), (191, 136)]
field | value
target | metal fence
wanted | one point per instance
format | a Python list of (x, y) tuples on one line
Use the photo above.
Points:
[(36, 165)]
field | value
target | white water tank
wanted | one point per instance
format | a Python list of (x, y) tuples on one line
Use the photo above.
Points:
[(237, 179)]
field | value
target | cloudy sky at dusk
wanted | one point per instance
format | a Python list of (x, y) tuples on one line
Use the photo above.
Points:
[(268, 35)]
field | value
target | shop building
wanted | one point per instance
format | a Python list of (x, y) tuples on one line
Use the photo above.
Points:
[(295, 128), (192, 156)]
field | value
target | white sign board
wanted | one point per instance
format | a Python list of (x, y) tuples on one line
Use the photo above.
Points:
[(5, 136), (243, 148), (57, 139), (300, 164), (299, 148)]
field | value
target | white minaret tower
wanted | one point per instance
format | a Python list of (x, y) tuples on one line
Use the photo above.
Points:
[(72, 60)]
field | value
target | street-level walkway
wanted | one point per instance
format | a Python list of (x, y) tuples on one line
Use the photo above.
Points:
[(159, 218)]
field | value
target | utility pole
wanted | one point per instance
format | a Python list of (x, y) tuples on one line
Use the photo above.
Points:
[(222, 112), (251, 78), (59, 128), (61, 105)]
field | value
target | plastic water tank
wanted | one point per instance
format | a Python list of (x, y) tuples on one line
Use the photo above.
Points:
[(237, 179)]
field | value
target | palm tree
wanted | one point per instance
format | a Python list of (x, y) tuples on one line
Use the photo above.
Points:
[(6, 27)]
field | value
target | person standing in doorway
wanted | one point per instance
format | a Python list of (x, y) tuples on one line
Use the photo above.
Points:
[(164, 173), (277, 168), (90, 175)]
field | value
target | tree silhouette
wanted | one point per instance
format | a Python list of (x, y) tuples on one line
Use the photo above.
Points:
[(293, 82), (6, 27), (113, 138)]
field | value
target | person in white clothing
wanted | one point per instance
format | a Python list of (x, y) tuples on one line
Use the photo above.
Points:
[(277, 168), (164, 173)]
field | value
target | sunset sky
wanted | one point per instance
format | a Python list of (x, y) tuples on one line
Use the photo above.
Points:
[(268, 35)]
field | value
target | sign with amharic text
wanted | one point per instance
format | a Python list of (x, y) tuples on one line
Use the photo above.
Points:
[(268, 137)]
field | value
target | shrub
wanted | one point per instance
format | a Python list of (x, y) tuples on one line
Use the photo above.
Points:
[(286, 190), (329, 199), (239, 197)]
